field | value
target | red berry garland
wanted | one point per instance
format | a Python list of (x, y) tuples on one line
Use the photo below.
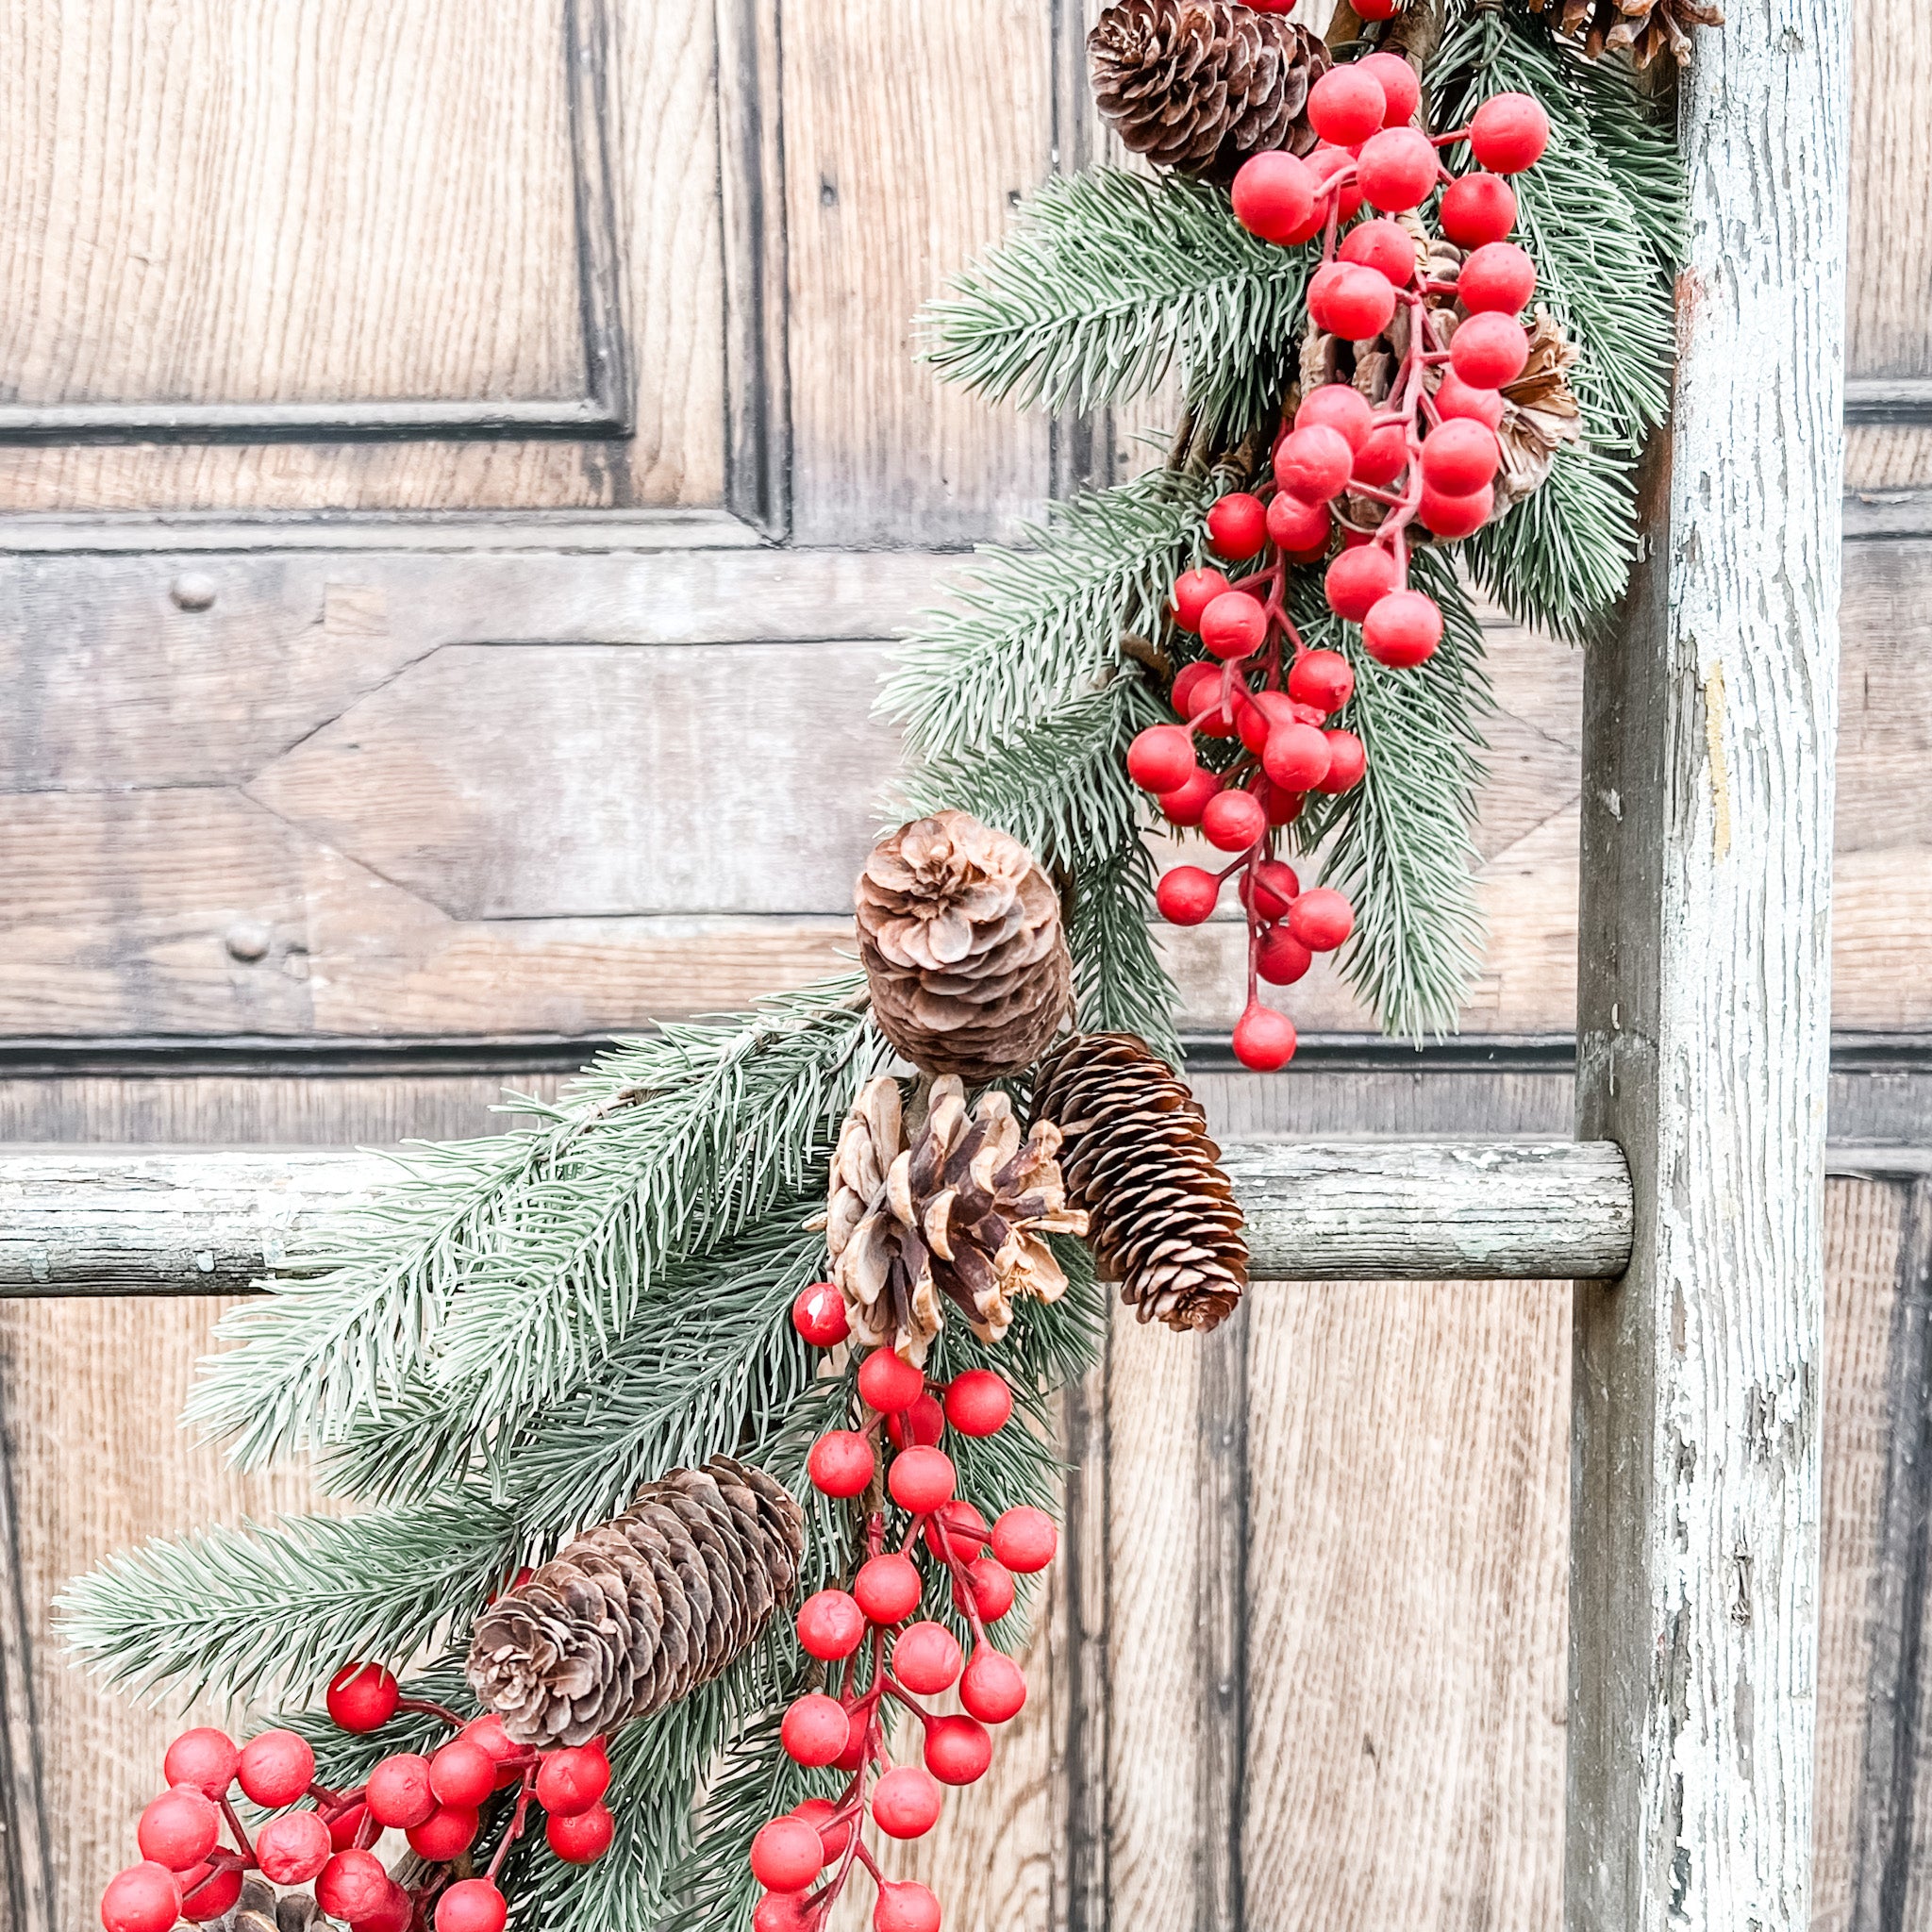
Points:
[(881, 1650), (1428, 454)]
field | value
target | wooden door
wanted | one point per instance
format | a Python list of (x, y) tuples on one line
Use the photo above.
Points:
[(460, 467)]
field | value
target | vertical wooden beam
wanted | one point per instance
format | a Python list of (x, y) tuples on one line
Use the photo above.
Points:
[(27, 1870), (1703, 1018)]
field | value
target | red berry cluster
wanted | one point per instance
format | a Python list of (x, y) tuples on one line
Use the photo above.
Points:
[(1430, 454), (438, 1801), (877, 1647)]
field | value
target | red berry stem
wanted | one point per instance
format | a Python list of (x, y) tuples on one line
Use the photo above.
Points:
[(526, 1792), (235, 1824), (430, 1708)]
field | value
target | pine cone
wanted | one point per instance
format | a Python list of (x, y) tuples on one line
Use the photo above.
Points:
[(1163, 1216), (958, 1211), (258, 1909), (1539, 411), (639, 1611), (960, 933), (1644, 28), (1200, 85)]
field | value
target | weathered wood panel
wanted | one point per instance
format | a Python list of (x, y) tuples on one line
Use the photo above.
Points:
[(1888, 330)]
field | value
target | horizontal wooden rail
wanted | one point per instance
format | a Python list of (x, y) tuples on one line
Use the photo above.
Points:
[(89, 1222)]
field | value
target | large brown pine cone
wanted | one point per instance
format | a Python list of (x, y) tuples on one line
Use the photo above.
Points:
[(642, 1610), (960, 933), (958, 1212), (1161, 1215), (1200, 85), (1539, 412), (1644, 28)]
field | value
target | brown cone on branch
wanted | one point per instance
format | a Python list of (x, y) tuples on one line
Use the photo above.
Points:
[(258, 1909), (1162, 1219), (960, 930), (953, 1211), (1539, 412), (639, 1611), (1641, 28), (1200, 85)]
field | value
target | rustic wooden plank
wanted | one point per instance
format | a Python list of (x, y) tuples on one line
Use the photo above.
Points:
[(1083, 1649), (208, 1222), (1890, 265), (27, 1873), (1702, 1022)]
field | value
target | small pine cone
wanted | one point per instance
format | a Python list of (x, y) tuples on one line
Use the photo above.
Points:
[(958, 1212), (960, 933), (1162, 1217), (258, 1909), (1641, 28), (1539, 412), (1200, 85), (639, 1611)]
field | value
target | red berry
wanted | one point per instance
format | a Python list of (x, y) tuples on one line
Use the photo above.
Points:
[(1208, 705), (1478, 209), (1270, 890), (572, 1780), (581, 1839), (1194, 590), (448, 1833), (1325, 163), (362, 1697), (291, 1849), (399, 1792), (1234, 626), (1274, 198), (1196, 684), (1322, 679), (471, 1905), (1402, 630), (1321, 920), (1455, 401), (1238, 526), (209, 1892), (178, 1829), (461, 1772), (1400, 84), (1347, 760), (143, 1898), (276, 1769), (1297, 757), (396, 1913), (1357, 578), (919, 1427), (814, 1730), (978, 1403), (992, 1687), (819, 1813), (1283, 807), (907, 1905), (786, 1854), (1397, 169), (990, 1585), (905, 1801), (1384, 246), (1338, 406), (888, 1587), (1383, 456), (1233, 821), (887, 1382), (1300, 528), (352, 1885), (1350, 301), (343, 1827), (1488, 350), (782, 1912), (1313, 463), (1261, 714), (1186, 895), (204, 1758), (926, 1657), (1281, 959), (1185, 805), (1509, 133), (1347, 105), (1025, 1539), (958, 1750), (1378, 9), (1161, 759), (966, 1531), (1451, 517), (1459, 457), (1498, 276), (1263, 1039), (830, 1626), (819, 1314), (841, 1463), (921, 1479)]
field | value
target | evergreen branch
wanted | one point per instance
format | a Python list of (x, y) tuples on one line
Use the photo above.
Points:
[(1108, 280), (1118, 977)]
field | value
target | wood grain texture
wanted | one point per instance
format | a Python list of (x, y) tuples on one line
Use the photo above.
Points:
[(1703, 1016), (27, 1870), (1890, 231)]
